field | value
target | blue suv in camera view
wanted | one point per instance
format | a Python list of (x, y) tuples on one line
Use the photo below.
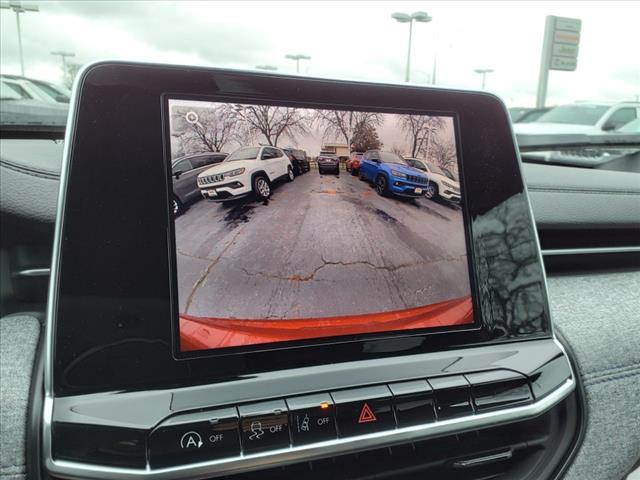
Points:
[(391, 174)]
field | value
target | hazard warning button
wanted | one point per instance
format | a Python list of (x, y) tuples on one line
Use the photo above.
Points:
[(363, 410)]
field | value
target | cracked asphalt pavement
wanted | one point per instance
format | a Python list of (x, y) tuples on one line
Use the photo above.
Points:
[(321, 246)]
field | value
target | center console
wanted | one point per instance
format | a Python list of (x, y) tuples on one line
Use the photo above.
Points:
[(255, 271)]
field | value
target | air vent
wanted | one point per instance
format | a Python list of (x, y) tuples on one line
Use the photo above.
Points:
[(526, 450)]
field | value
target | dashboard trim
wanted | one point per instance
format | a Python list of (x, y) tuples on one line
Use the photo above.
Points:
[(588, 251), (243, 463)]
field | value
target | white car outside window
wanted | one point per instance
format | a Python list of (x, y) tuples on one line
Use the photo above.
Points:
[(439, 184), (27, 87), (582, 118), (248, 170)]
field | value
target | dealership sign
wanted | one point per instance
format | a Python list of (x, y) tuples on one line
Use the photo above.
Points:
[(559, 50), (565, 39)]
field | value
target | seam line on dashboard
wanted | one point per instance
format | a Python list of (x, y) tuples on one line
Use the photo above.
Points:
[(618, 368), (612, 378), (28, 171)]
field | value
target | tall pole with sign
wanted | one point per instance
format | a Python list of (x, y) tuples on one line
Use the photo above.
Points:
[(559, 51)]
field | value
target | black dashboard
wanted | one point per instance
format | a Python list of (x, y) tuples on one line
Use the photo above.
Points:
[(494, 393)]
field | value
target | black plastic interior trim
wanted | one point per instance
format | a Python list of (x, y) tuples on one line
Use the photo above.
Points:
[(579, 392), (565, 238), (33, 132), (592, 263)]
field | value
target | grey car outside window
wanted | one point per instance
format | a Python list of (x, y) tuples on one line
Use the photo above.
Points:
[(182, 166), (269, 153)]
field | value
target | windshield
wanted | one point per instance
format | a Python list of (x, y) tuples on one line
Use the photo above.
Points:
[(390, 157), (494, 46), (250, 153), (437, 170), (8, 92), (55, 93), (575, 114), (451, 175)]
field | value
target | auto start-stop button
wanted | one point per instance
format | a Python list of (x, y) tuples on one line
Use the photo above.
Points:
[(195, 437)]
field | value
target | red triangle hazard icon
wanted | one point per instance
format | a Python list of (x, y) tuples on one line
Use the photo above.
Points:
[(366, 415)]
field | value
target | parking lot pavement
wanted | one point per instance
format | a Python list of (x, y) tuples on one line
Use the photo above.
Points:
[(321, 246)]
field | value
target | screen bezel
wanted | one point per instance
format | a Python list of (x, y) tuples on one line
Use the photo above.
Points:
[(475, 324), (112, 100)]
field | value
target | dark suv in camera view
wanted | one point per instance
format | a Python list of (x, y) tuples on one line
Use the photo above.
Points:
[(184, 172), (328, 162), (298, 159)]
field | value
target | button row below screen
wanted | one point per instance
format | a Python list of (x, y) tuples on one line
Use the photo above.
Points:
[(301, 420)]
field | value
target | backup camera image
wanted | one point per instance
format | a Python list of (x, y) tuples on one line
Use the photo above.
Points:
[(293, 224)]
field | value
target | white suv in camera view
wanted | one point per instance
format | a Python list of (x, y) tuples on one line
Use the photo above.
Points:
[(247, 170), (440, 185)]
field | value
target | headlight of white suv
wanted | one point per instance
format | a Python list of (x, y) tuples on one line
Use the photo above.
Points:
[(449, 185), (233, 173), (398, 174)]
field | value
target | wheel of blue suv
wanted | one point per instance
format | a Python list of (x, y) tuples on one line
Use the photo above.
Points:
[(382, 185)]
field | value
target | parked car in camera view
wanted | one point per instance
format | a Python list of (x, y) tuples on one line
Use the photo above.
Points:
[(328, 162), (184, 172), (353, 163), (248, 170), (298, 159), (391, 174), (441, 183)]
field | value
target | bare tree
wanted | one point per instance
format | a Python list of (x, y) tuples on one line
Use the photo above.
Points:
[(420, 130), (210, 132), (443, 151), (398, 150), (342, 124), (272, 122)]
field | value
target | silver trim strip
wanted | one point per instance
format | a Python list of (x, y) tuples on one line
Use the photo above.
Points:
[(243, 463), (33, 272), (472, 462), (589, 251)]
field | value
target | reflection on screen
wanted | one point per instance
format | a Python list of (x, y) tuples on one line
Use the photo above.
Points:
[(293, 224)]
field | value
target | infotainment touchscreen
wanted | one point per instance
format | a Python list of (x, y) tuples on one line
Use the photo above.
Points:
[(294, 224)]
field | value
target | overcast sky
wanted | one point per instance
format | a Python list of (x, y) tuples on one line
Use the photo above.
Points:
[(357, 40)]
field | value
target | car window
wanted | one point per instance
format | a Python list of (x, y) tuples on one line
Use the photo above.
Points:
[(199, 162), (416, 164), (182, 166), (8, 93), (621, 117), (250, 153), (268, 153), (47, 89), (21, 92), (575, 114)]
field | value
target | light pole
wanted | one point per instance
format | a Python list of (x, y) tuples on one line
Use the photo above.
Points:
[(266, 67), (64, 56), (406, 18), (297, 58), (483, 72), (19, 8)]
